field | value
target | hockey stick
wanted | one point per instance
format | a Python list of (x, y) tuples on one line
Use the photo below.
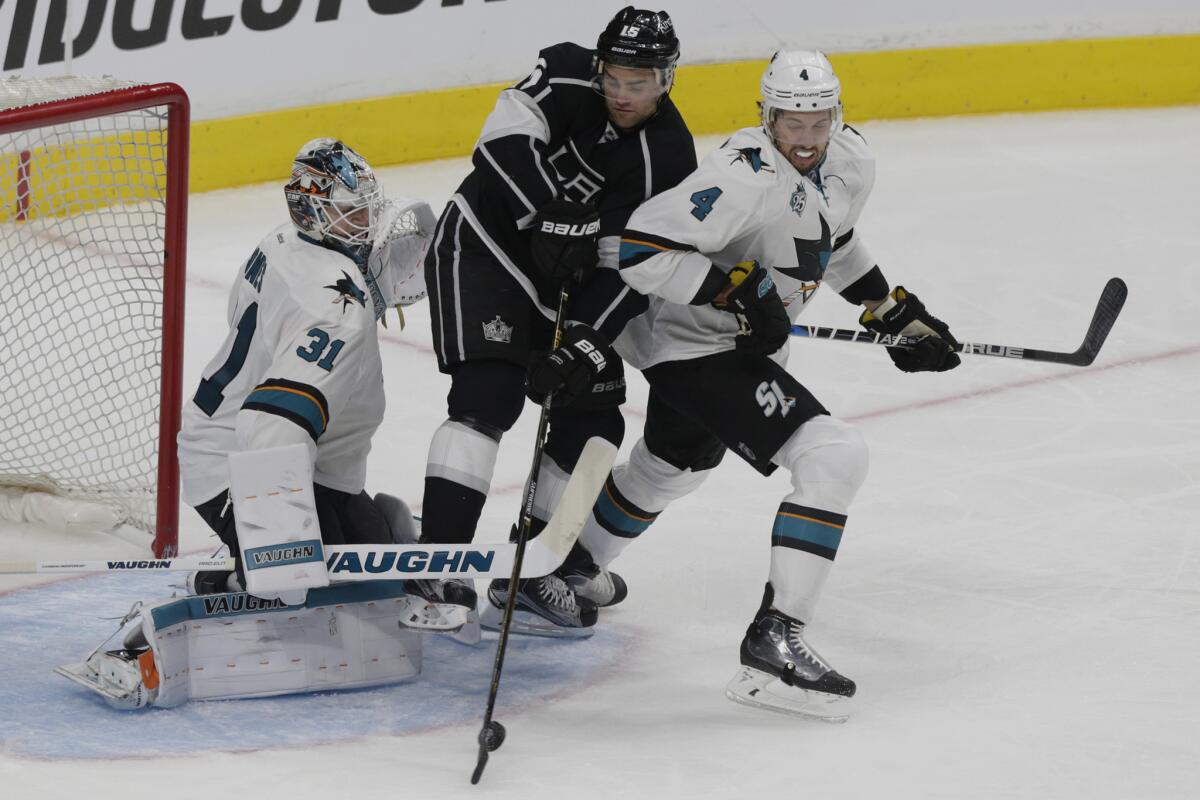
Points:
[(182, 563), (366, 562), (542, 555), (1107, 310), (491, 734)]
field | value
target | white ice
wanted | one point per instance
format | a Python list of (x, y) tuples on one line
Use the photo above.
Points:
[(1017, 592)]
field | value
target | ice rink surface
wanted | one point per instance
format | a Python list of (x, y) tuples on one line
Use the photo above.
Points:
[(1017, 593)]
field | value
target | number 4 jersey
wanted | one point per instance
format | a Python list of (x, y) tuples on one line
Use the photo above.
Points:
[(300, 363), (745, 202)]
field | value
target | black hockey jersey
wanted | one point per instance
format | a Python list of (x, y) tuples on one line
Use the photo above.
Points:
[(550, 136)]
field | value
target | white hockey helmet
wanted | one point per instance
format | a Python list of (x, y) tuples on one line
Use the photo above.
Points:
[(800, 80), (333, 194)]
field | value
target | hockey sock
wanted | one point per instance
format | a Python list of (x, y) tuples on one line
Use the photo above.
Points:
[(458, 474), (632, 498), (804, 542), (552, 480), (827, 459)]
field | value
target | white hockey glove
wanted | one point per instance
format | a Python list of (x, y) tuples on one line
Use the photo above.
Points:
[(397, 261)]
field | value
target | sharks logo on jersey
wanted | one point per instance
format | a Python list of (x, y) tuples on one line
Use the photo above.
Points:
[(812, 255), (347, 292), (753, 157)]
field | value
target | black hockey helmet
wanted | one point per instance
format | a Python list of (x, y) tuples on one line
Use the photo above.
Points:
[(639, 39)]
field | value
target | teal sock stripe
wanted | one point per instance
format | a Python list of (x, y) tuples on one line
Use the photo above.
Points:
[(809, 529), (618, 516)]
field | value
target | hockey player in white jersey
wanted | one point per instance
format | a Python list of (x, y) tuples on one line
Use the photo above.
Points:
[(300, 363), (730, 258), (299, 367)]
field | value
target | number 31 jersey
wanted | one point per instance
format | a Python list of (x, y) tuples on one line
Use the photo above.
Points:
[(300, 363), (745, 202)]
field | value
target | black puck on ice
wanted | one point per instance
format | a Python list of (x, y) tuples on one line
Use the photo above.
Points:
[(492, 736)]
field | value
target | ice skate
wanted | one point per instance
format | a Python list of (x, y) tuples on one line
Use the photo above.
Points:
[(442, 606), (545, 606), (781, 672), (596, 584), (119, 676)]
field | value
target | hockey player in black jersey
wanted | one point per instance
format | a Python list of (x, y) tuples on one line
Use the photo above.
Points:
[(563, 160)]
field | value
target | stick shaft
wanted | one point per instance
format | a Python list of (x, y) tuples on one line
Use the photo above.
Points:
[(1112, 300)]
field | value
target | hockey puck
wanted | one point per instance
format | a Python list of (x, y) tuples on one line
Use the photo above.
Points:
[(492, 736)]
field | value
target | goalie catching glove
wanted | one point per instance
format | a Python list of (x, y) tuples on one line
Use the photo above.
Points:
[(571, 369), (902, 314), (751, 293), (563, 244)]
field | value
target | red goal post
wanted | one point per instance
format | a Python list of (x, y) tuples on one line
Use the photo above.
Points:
[(93, 233)]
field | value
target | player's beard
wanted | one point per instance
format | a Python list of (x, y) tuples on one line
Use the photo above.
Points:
[(802, 163)]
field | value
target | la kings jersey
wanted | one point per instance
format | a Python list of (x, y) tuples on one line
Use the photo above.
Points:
[(745, 202), (300, 364), (549, 136)]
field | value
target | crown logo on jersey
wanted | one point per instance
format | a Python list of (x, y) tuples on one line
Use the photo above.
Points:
[(497, 331)]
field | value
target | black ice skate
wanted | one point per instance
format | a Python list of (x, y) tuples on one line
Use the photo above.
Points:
[(596, 584), (781, 672), (590, 581), (442, 606), (545, 606)]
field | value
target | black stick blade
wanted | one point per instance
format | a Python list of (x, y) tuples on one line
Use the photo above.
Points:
[(479, 765), (1112, 300)]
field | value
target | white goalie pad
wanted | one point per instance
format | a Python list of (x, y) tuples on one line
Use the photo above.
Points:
[(236, 645), (279, 535)]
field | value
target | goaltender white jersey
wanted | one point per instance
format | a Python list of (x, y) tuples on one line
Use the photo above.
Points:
[(745, 202), (300, 363)]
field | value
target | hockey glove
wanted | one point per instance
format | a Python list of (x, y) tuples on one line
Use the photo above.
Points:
[(570, 369), (563, 243), (904, 315), (751, 293)]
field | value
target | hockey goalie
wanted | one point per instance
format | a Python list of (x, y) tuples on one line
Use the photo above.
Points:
[(273, 455)]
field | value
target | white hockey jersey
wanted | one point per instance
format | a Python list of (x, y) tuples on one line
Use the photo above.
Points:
[(744, 202), (300, 363)]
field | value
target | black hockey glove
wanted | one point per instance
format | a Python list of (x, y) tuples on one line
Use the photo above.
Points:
[(903, 314), (570, 369), (563, 243), (752, 294)]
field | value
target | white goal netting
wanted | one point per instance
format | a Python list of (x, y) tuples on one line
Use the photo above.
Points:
[(82, 220)]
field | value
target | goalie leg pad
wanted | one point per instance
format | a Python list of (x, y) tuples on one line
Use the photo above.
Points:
[(279, 534)]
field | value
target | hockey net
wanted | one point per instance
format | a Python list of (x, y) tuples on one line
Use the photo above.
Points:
[(93, 199)]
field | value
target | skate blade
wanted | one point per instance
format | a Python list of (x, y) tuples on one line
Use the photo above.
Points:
[(529, 624), (419, 615), (469, 634), (83, 674), (757, 689)]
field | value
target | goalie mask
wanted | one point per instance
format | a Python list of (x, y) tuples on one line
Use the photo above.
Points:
[(635, 63), (795, 86), (333, 194)]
